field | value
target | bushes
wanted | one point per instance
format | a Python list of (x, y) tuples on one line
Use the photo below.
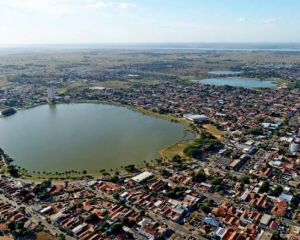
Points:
[(264, 187), (199, 176), (255, 131), (8, 112), (13, 171), (177, 159), (245, 179), (176, 193), (130, 168), (276, 191), (205, 143), (41, 190), (217, 183)]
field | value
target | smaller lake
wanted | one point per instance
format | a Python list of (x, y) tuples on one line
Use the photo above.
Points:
[(224, 72), (238, 82)]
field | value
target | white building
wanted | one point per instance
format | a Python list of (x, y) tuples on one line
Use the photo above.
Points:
[(196, 118), (142, 177), (294, 147), (265, 220)]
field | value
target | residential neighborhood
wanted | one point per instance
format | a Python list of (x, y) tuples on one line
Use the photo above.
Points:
[(241, 184)]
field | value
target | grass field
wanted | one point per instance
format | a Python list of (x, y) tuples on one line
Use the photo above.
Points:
[(214, 131), (177, 149), (44, 236), (111, 84), (3, 81)]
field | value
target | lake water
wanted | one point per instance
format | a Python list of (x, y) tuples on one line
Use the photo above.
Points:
[(85, 137), (238, 82)]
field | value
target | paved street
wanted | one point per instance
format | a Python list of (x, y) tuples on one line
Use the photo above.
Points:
[(177, 228), (36, 217)]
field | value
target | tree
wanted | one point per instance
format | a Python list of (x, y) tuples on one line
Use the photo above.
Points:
[(13, 171), (8, 112), (264, 187), (130, 168), (255, 131), (164, 172), (116, 228), (114, 178), (206, 205), (41, 190), (61, 237), (199, 176), (177, 159), (245, 179), (92, 219), (217, 181), (276, 191), (276, 235), (116, 196)]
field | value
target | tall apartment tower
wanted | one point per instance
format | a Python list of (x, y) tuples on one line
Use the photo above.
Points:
[(51, 94)]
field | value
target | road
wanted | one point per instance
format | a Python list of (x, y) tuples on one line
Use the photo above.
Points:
[(36, 217), (180, 230)]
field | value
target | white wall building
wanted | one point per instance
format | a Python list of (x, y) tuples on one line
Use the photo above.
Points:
[(294, 147)]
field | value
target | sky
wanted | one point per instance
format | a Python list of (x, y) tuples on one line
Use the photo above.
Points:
[(148, 21)]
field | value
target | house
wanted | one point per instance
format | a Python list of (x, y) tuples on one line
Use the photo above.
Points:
[(57, 217), (286, 197), (151, 230), (279, 208), (265, 220), (264, 235), (79, 228), (271, 126), (205, 187), (211, 221), (220, 233), (46, 210), (231, 234)]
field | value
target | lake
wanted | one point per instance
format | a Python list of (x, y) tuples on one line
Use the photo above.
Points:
[(85, 137), (224, 72), (238, 82)]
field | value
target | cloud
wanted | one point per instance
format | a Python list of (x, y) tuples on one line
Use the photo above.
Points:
[(63, 7), (269, 21), (127, 5), (108, 4), (242, 19)]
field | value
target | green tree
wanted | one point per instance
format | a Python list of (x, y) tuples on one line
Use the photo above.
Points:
[(245, 179), (13, 171), (276, 191), (265, 186), (199, 176)]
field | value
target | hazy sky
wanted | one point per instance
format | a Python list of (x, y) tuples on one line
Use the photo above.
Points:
[(123, 21)]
